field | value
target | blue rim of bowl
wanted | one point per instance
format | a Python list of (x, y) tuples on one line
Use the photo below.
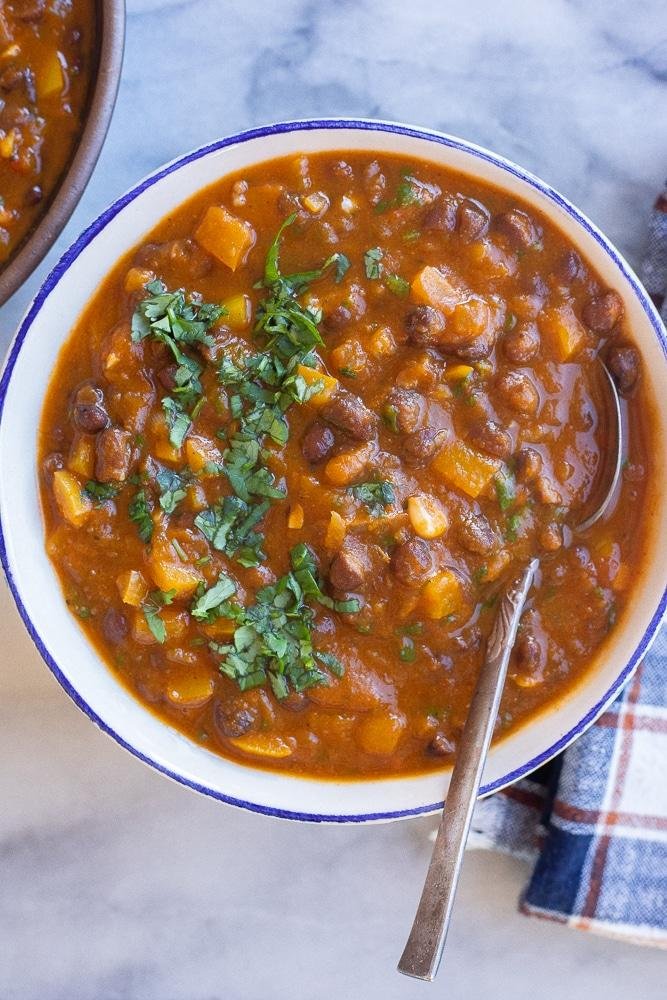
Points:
[(74, 251)]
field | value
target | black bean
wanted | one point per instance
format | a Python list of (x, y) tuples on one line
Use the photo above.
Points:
[(88, 411), (472, 220), (623, 363), (475, 533), (350, 567), (412, 562), (519, 393), (602, 313), (441, 216), (234, 718), (351, 310), (424, 325), (569, 267), (440, 746), (345, 410), (422, 445), (491, 438), (113, 455), (115, 626), (408, 407), (317, 443), (518, 228), (521, 344)]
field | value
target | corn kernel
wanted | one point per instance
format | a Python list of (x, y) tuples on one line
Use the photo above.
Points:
[(458, 372)]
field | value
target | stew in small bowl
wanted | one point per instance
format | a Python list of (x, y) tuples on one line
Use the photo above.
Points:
[(340, 383), (59, 72)]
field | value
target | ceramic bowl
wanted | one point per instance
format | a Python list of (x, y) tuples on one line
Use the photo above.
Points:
[(36, 588), (63, 201)]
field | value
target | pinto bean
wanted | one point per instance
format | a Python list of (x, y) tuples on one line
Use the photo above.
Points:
[(623, 363), (234, 718), (408, 407), (475, 533), (88, 410), (521, 344), (602, 313), (425, 325), (350, 567), (113, 455), (472, 220), (527, 465), (518, 228), (345, 410), (519, 393), (167, 376), (528, 653), (441, 215), (422, 445), (413, 562), (317, 443), (491, 438)]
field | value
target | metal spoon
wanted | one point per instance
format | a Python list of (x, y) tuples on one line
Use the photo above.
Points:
[(426, 942)]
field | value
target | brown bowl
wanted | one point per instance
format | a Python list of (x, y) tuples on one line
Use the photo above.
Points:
[(65, 197)]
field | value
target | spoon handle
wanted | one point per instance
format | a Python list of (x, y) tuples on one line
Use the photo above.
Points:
[(423, 950)]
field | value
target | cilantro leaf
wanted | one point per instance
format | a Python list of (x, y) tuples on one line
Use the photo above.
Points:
[(140, 512), (208, 605), (377, 496), (372, 263), (172, 489), (151, 608), (101, 492), (178, 421)]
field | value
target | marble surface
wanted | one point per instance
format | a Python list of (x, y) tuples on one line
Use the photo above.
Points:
[(119, 885)]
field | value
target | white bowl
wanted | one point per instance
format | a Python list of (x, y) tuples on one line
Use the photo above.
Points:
[(35, 585)]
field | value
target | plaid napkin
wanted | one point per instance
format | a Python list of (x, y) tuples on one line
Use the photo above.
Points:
[(595, 818)]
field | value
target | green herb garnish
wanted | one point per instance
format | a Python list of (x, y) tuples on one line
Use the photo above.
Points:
[(372, 263), (140, 512), (99, 493), (172, 490), (152, 607), (377, 496)]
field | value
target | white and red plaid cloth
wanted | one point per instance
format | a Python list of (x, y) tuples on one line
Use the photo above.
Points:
[(595, 818)]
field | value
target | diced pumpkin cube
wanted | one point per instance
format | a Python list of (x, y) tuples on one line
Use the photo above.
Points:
[(562, 330), (336, 531), (72, 504), (191, 689), (349, 356), (132, 588), (199, 451), (296, 516), (7, 144), (168, 572), (441, 595), (427, 516), (137, 278), (343, 469), (458, 372), (239, 312), (141, 633), (165, 451), (196, 498), (221, 628), (466, 469), (82, 457), (225, 236), (312, 376), (381, 343), (380, 732), (51, 78), (433, 288), (264, 745)]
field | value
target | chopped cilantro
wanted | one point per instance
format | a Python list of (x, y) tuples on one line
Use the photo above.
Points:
[(140, 512), (347, 372), (505, 485), (399, 286), (212, 603), (152, 607), (372, 263), (178, 421), (390, 417), (99, 493), (172, 490), (377, 496), (407, 652)]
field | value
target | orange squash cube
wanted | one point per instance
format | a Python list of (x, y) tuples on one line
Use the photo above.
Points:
[(562, 330), (433, 288), (72, 504), (312, 376), (225, 236), (466, 469)]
